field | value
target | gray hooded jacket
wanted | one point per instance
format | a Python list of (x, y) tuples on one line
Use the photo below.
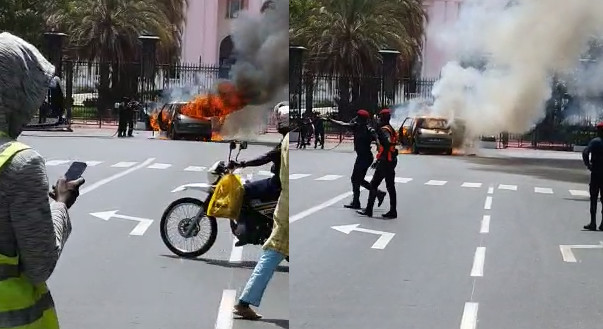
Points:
[(31, 224)]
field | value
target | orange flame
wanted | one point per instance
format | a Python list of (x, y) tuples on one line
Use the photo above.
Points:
[(226, 101), (215, 136)]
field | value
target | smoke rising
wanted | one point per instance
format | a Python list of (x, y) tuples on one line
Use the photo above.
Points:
[(524, 45)]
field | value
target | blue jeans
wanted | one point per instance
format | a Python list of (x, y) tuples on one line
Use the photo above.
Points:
[(262, 273)]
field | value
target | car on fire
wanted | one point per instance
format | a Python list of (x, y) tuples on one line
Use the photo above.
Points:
[(427, 133), (176, 124)]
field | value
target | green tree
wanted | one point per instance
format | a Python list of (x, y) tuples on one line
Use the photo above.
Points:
[(24, 19)]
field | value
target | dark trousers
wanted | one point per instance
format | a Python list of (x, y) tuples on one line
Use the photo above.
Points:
[(130, 123), (387, 171), (596, 189), (122, 126), (303, 138), (361, 166), (321, 135)]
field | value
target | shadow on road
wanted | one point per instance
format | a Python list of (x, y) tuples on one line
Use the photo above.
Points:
[(277, 322), (225, 263)]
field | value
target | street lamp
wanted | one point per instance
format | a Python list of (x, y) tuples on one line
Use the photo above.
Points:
[(295, 75)]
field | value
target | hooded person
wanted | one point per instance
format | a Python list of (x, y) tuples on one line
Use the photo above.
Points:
[(34, 224)]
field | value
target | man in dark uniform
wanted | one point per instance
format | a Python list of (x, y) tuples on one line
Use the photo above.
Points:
[(593, 159), (385, 166), (123, 117), (319, 131), (131, 110), (363, 136)]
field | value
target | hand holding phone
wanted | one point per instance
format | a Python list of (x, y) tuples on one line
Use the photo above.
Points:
[(75, 171), (66, 190)]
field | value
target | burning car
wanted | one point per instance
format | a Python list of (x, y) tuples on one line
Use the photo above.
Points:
[(177, 124), (427, 132)]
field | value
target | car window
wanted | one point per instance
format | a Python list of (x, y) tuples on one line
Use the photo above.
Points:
[(407, 123), (432, 123)]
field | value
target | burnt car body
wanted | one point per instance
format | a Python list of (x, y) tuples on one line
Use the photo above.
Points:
[(176, 124), (427, 133)]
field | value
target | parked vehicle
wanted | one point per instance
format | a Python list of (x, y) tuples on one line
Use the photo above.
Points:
[(426, 133), (176, 124)]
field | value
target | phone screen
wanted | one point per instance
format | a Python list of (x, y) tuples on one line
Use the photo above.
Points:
[(75, 171)]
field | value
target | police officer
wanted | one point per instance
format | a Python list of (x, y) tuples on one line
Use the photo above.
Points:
[(384, 167), (363, 136), (131, 109), (319, 131), (593, 159), (123, 117)]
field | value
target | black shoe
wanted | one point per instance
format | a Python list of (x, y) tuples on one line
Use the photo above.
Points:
[(590, 227), (390, 215), (365, 213), (353, 205), (380, 198)]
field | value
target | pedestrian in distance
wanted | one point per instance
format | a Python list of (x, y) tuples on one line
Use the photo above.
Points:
[(123, 117), (276, 248), (34, 224), (593, 160), (385, 167), (319, 131), (363, 138)]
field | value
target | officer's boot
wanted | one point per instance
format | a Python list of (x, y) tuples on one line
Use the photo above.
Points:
[(368, 211), (592, 226)]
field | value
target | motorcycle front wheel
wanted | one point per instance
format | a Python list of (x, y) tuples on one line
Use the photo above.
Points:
[(185, 220)]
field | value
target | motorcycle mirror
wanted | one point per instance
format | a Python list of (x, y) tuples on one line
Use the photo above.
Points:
[(244, 146), (233, 145)]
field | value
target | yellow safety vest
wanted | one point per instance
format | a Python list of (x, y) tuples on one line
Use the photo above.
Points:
[(23, 305)]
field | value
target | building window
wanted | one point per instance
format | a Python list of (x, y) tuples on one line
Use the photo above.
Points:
[(233, 7)]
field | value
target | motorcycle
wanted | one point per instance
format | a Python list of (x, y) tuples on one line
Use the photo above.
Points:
[(193, 225)]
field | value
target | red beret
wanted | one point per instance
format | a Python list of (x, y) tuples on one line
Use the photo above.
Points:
[(600, 125), (363, 113), (385, 112)]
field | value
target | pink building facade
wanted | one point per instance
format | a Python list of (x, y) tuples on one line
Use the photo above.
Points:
[(443, 14), (206, 38)]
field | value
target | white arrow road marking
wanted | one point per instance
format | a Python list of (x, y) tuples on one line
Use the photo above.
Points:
[(381, 243), (143, 223), (568, 255), (192, 186)]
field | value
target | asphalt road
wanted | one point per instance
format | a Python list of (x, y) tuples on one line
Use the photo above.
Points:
[(476, 245), (108, 278)]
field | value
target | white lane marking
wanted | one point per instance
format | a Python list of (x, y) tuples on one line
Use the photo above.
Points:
[(543, 190), (124, 164), (194, 168), (225, 319), (297, 176), (109, 179), (485, 224), (319, 207), (568, 255), (507, 187), (472, 185), (236, 254), (403, 180), (159, 166), (265, 173), (93, 163), (579, 193), (436, 182), (329, 177), (478, 262), (469, 320), (488, 203), (57, 162), (490, 190)]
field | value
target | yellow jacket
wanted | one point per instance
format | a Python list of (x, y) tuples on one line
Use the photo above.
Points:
[(279, 239)]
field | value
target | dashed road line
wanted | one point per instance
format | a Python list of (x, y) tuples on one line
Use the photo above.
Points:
[(485, 228), (159, 166), (403, 180), (57, 162), (488, 203), (472, 185), (543, 190), (93, 163), (507, 187), (436, 182), (478, 262), (297, 176), (319, 207), (469, 320), (225, 319), (195, 168), (236, 254), (329, 177), (490, 190), (89, 188), (579, 193), (124, 164)]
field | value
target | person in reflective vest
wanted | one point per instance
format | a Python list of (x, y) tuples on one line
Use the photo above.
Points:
[(33, 227), (385, 166)]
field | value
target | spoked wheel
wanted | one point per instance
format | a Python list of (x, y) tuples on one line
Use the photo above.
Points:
[(183, 232)]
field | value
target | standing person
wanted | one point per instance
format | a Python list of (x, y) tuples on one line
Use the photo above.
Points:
[(123, 117), (593, 160), (57, 98), (276, 247), (131, 110), (363, 137), (33, 228), (385, 166), (303, 133), (319, 131)]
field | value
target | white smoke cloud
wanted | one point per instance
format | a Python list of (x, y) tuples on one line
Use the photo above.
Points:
[(525, 43)]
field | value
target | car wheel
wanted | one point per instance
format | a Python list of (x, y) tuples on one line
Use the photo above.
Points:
[(415, 149)]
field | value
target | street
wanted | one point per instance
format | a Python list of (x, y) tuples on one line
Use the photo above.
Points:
[(116, 273), (487, 242)]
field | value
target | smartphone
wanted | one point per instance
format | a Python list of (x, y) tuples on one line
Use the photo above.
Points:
[(75, 171)]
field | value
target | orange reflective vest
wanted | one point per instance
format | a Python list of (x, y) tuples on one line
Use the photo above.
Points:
[(393, 140)]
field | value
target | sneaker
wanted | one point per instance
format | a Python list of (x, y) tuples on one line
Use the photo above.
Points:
[(245, 312)]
